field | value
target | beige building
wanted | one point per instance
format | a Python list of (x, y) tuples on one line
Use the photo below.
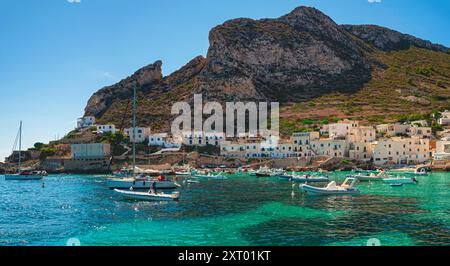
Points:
[(442, 149), (421, 132), (362, 134), (392, 130), (90, 151), (398, 150), (445, 118), (330, 147), (141, 134), (342, 128), (361, 150)]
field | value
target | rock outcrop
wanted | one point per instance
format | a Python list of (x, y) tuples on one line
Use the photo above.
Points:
[(390, 40), (146, 77), (293, 58)]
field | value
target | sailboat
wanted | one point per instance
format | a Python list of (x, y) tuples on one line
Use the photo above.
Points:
[(23, 175), (141, 181)]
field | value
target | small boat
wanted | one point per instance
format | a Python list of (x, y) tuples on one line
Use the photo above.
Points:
[(348, 187), (148, 195), (184, 173), (140, 183), (284, 175), (219, 176), (370, 177), (410, 171), (396, 184), (309, 178), (264, 172), (189, 181), (400, 180), (24, 175)]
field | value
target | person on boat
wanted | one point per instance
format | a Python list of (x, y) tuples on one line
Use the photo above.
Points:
[(153, 188)]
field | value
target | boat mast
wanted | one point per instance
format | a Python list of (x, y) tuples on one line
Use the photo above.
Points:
[(20, 145), (134, 130)]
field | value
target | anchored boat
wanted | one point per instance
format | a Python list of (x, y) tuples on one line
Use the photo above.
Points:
[(23, 175), (309, 178), (219, 176), (400, 180), (143, 181), (348, 187), (148, 195), (370, 177)]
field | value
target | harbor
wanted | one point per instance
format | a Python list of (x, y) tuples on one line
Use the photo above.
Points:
[(240, 210)]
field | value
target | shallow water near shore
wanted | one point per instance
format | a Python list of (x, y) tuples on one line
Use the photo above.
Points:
[(242, 210)]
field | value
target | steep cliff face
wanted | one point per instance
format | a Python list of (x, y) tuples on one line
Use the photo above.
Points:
[(295, 58)]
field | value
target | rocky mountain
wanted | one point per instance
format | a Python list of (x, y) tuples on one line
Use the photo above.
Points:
[(295, 59)]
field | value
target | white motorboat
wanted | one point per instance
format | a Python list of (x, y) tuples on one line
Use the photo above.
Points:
[(264, 172), (23, 175), (368, 177), (284, 175), (184, 173), (347, 188), (148, 195), (309, 178), (400, 180), (219, 176), (410, 171), (140, 183)]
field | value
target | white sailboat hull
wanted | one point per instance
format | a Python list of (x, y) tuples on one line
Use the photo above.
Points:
[(148, 196), (23, 177), (140, 184)]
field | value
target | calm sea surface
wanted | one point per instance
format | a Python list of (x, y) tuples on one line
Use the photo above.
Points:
[(240, 211)]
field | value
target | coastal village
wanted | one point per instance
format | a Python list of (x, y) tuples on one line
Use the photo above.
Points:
[(344, 144)]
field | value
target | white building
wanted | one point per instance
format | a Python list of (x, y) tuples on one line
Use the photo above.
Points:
[(163, 140), (85, 122), (141, 134), (445, 118), (90, 151), (200, 138), (102, 129), (301, 143)]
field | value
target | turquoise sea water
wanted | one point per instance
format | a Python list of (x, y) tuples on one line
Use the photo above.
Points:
[(239, 211)]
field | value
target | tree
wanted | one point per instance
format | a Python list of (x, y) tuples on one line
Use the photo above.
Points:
[(38, 145)]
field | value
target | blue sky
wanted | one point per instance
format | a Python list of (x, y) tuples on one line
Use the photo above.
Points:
[(55, 53)]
